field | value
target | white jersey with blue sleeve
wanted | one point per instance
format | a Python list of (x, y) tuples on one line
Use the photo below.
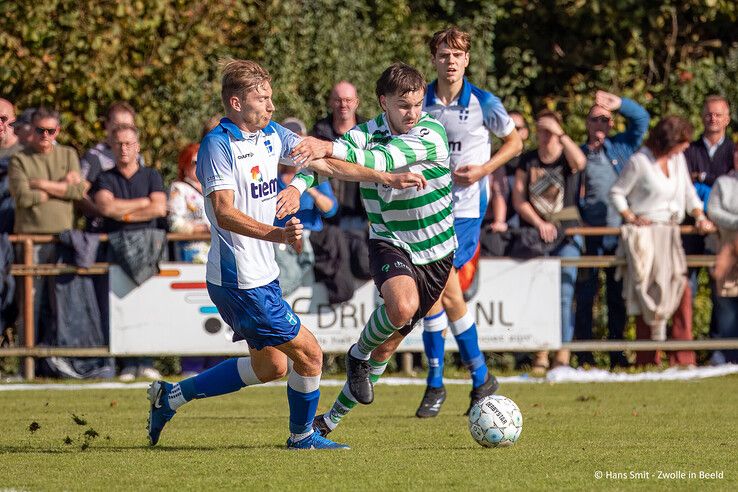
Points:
[(231, 159), (469, 119)]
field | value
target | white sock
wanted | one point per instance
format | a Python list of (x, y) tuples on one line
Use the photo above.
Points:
[(300, 437), (355, 352), (176, 399)]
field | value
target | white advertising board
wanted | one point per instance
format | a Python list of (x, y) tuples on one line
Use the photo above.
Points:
[(516, 308)]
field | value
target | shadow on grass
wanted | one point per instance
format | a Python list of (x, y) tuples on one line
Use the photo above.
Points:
[(143, 447)]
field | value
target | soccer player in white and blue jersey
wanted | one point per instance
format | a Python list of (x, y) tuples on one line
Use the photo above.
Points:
[(469, 115), (237, 167)]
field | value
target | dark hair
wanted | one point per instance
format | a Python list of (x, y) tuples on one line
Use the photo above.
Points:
[(120, 107), (44, 112), (399, 79), (453, 37), (667, 134), (547, 113)]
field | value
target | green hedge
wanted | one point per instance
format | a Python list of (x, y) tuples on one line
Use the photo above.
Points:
[(161, 55)]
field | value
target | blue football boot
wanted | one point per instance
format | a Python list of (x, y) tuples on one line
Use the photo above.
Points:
[(314, 441), (159, 412)]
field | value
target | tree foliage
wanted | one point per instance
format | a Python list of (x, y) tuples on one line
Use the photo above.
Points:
[(162, 55)]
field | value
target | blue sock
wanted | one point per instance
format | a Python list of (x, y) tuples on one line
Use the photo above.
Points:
[(303, 393), (465, 332), (434, 344), (218, 380)]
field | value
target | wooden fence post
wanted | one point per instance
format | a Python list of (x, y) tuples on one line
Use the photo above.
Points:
[(29, 366)]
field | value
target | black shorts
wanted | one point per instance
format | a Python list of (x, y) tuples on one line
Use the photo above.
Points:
[(387, 261)]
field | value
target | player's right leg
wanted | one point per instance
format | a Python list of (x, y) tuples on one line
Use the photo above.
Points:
[(367, 359), (401, 301)]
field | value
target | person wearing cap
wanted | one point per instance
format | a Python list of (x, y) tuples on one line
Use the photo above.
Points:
[(23, 127)]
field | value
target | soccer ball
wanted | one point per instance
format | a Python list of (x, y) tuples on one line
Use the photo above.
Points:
[(495, 421)]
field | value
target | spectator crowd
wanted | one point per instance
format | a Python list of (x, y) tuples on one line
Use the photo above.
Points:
[(644, 182)]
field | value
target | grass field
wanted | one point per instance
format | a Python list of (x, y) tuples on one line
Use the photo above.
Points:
[(570, 432)]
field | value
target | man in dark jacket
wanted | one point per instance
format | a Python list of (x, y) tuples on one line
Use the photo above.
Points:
[(708, 158), (343, 102)]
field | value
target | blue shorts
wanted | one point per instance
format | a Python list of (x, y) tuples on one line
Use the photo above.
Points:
[(467, 234), (259, 315)]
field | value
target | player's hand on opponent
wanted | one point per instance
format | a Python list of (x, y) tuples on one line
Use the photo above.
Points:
[(292, 234), (468, 175), (288, 202), (401, 181), (309, 149)]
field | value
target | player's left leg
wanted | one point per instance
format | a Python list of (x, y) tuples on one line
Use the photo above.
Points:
[(435, 323), (464, 330), (345, 402), (229, 376)]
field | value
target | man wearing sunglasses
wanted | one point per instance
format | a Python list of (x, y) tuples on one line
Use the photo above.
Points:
[(606, 157), (44, 179)]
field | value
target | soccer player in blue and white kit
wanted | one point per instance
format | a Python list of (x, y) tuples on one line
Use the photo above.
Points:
[(237, 167), (469, 115)]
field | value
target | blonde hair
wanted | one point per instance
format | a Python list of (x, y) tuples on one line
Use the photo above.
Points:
[(240, 77)]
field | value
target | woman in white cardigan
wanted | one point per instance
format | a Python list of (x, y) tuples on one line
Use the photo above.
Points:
[(655, 187)]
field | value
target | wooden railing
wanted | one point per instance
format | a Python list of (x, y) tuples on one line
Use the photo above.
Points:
[(27, 270)]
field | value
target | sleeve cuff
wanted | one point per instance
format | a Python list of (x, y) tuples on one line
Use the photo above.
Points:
[(300, 183), (340, 150), (509, 127)]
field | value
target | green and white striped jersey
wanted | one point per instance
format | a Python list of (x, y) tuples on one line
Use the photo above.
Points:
[(420, 222)]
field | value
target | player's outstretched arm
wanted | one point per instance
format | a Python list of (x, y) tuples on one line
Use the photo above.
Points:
[(232, 219), (288, 200), (346, 171)]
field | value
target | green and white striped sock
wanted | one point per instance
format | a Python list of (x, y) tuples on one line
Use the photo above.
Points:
[(345, 402), (375, 333)]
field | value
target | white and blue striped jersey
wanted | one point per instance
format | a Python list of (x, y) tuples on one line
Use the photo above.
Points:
[(230, 159), (469, 119)]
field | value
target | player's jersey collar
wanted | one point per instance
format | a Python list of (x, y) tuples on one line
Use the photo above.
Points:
[(239, 134), (463, 100)]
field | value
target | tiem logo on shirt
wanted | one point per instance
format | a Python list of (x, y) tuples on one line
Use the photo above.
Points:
[(262, 189)]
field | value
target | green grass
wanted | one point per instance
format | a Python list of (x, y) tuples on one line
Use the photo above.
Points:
[(570, 431)]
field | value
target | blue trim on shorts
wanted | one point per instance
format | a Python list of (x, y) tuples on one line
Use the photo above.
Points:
[(259, 315), (437, 315), (467, 233)]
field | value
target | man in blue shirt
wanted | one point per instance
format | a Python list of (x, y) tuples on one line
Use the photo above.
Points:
[(606, 157)]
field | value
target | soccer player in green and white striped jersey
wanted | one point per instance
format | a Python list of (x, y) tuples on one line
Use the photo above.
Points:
[(412, 238)]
